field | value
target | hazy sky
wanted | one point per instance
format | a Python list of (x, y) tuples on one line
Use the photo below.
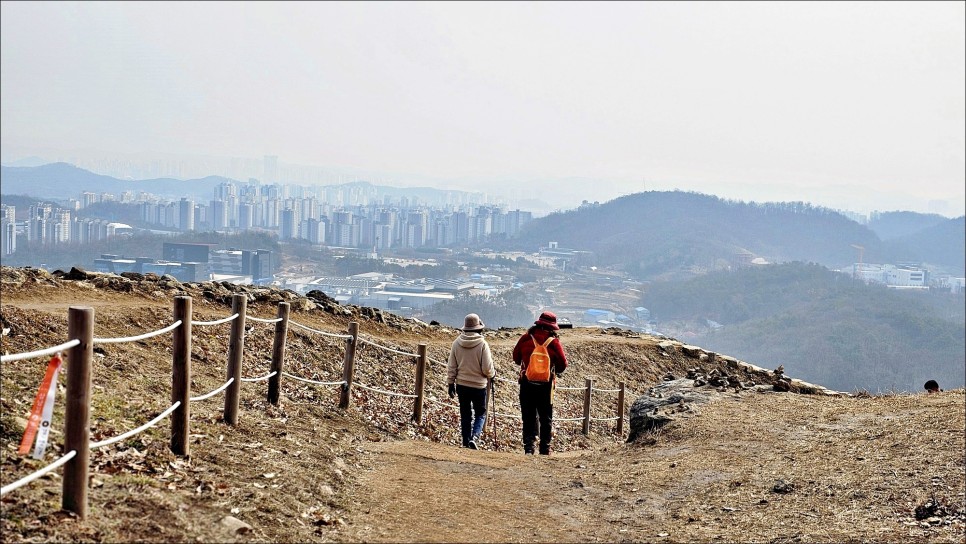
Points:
[(851, 105)]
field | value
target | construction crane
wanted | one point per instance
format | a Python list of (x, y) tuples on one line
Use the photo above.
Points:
[(858, 270)]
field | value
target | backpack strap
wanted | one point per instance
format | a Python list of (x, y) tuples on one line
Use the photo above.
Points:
[(553, 366)]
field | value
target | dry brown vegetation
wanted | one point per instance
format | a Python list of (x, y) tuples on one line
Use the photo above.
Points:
[(752, 466)]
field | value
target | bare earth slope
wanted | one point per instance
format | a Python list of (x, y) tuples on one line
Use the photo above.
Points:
[(752, 466)]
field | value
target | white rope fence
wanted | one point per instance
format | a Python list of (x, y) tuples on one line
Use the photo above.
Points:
[(263, 320), (441, 403), (146, 335), (384, 392), (215, 392), (456, 406), (306, 380), (31, 477), (364, 341), (39, 353), (316, 331), (215, 322), (439, 400), (167, 412), (262, 378), (142, 428)]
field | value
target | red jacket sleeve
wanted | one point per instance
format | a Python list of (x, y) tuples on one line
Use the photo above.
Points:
[(557, 356), (520, 351)]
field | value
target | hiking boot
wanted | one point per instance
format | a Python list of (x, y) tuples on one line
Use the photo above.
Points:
[(528, 450), (544, 450), (472, 443)]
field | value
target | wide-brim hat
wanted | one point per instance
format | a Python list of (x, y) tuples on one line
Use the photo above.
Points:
[(472, 323), (548, 319)]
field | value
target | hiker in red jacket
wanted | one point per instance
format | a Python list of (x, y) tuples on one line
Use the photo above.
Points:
[(536, 397)]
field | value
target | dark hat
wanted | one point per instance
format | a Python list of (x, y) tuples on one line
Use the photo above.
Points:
[(547, 319), (472, 323)]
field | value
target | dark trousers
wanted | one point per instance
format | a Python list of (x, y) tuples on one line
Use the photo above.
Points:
[(472, 411), (537, 413)]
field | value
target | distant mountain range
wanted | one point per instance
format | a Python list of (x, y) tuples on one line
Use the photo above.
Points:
[(659, 234), (60, 181)]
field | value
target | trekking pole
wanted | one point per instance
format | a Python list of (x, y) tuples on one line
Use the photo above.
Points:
[(493, 410)]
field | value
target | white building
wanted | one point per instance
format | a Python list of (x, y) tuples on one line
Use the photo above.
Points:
[(891, 275)]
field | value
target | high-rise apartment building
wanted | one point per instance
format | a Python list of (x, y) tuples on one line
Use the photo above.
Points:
[(60, 227), (186, 214), (218, 215), (246, 216), (313, 230), (8, 230), (289, 225), (225, 190), (88, 198)]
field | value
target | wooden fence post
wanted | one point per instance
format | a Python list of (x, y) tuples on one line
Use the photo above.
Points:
[(620, 410), (236, 346), (181, 375), (587, 396), (420, 383), (80, 326), (278, 354), (348, 364)]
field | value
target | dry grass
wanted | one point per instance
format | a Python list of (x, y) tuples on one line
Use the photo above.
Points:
[(778, 467)]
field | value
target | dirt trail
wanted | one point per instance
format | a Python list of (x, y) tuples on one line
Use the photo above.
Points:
[(418, 491), (718, 478)]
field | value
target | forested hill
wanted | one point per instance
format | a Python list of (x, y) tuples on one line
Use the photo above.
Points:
[(942, 244), (654, 233), (890, 225), (821, 325)]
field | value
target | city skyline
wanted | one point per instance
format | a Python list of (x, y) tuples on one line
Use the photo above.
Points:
[(853, 106), (387, 195)]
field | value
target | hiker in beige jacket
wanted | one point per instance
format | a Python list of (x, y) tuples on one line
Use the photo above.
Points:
[(468, 371)]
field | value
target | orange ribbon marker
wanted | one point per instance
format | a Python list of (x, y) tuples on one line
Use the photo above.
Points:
[(36, 412)]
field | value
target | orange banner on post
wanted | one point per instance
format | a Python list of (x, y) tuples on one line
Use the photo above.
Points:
[(36, 412)]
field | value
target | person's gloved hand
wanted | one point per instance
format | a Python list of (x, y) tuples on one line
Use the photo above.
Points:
[(452, 390)]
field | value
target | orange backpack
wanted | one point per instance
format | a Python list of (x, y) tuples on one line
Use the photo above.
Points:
[(538, 368)]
